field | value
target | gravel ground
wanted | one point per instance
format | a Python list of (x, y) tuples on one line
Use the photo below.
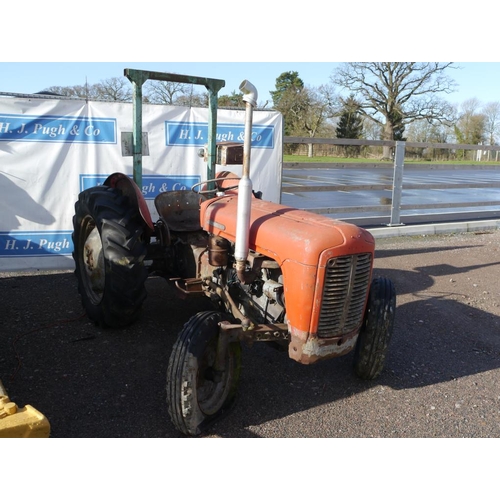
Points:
[(442, 376)]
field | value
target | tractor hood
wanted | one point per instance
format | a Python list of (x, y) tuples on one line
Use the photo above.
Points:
[(281, 232)]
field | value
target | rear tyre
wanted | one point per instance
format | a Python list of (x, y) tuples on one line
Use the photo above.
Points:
[(109, 250), (197, 395), (376, 332)]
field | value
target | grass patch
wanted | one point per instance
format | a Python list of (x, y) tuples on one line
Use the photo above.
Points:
[(337, 159), (328, 159)]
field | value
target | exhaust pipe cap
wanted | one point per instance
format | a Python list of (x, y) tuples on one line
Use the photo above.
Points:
[(249, 92)]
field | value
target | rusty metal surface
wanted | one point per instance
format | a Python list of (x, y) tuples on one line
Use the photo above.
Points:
[(179, 209)]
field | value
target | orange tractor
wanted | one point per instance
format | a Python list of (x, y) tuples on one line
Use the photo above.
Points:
[(271, 273)]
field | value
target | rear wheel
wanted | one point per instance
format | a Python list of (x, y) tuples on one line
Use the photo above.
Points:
[(197, 394), (376, 332), (109, 249)]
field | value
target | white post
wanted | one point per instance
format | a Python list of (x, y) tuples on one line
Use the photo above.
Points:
[(397, 184)]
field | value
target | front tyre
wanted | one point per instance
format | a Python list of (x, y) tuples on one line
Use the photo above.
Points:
[(109, 250), (376, 331), (196, 393)]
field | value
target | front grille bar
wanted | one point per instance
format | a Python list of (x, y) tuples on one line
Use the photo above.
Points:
[(344, 294)]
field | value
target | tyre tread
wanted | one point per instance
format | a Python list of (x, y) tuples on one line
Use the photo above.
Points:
[(188, 349), (376, 332), (122, 234)]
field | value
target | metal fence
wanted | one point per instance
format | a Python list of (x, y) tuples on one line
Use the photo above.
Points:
[(473, 194)]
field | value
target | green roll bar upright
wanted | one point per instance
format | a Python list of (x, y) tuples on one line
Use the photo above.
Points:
[(138, 78)]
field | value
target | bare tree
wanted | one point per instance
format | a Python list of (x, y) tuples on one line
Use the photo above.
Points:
[(306, 110), (321, 106), (159, 92), (193, 99), (394, 94), (113, 89), (423, 131), (81, 91), (491, 111), (371, 130), (470, 123)]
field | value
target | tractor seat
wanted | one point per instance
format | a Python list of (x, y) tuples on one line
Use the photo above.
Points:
[(180, 209)]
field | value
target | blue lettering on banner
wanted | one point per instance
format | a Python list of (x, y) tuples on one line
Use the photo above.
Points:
[(49, 128), (152, 185), (35, 243), (196, 134)]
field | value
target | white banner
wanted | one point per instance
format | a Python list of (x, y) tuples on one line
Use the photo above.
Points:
[(50, 150)]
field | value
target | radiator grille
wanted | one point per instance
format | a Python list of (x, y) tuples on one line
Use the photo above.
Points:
[(346, 285)]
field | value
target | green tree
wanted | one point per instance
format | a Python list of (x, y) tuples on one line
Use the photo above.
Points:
[(350, 125), (291, 99), (235, 100), (398, 126), (287, 83), (305, 110)]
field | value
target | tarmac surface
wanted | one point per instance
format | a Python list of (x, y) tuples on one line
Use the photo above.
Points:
[(441, 379)]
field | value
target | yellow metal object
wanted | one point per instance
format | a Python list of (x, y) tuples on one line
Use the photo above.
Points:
[(21, 422)]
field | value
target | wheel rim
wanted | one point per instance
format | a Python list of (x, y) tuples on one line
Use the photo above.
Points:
[(213, 388), (92, 256)]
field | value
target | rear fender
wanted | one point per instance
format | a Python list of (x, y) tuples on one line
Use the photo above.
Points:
[(131, 190)]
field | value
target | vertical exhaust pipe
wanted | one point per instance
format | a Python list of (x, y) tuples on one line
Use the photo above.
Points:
[(245, 185)]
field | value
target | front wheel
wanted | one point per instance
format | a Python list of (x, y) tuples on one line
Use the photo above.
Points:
[(376, 331), (109, 250), (197, 394)]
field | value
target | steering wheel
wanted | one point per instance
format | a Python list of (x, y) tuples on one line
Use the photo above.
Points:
[(217, 189)]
